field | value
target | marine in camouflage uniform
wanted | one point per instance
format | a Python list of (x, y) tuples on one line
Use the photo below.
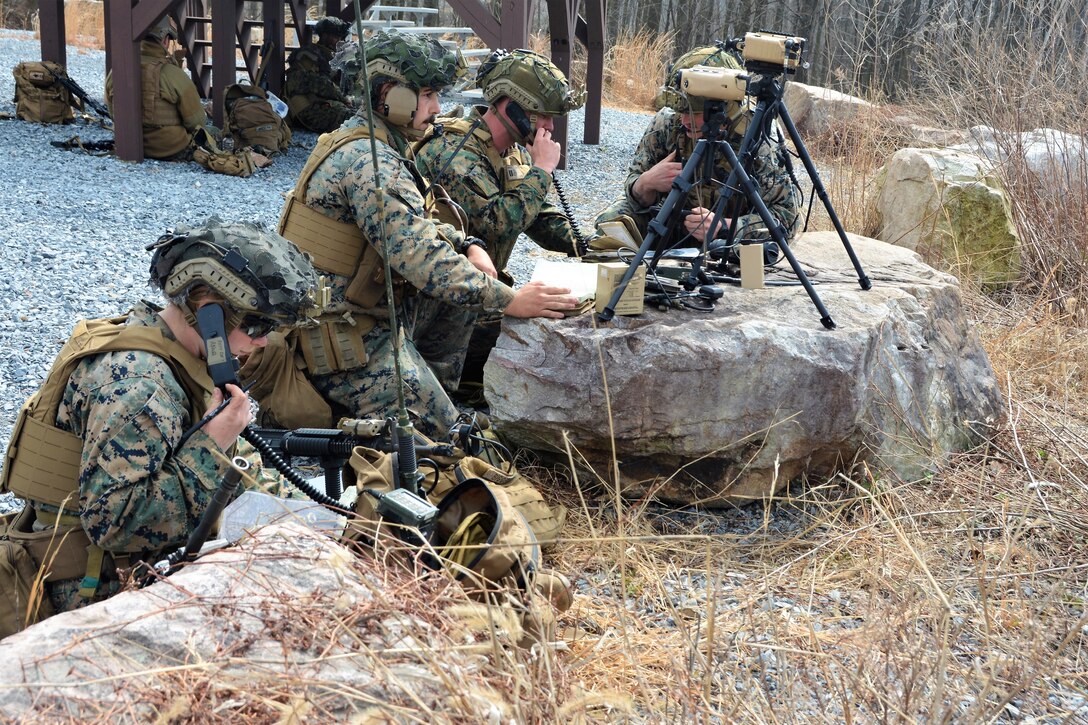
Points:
[(174, 115), (142, 489), (312, 87), (502, 188), (667, 135), (426, 257)]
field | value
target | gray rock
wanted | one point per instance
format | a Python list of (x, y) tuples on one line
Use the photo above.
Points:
[(238, 621), (733, 404)]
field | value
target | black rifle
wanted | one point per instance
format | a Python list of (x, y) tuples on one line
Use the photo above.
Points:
[(85, 99)]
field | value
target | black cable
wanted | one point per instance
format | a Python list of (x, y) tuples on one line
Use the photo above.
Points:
[(581, 245), (290, 473), (207, 417)]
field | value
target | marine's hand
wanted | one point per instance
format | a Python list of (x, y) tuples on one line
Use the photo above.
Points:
[(537, 299), (225, 427), (481, 260), (545, 151), (657, 179), (698, 224)]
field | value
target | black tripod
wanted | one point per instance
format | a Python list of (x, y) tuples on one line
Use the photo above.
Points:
[(764, 85)]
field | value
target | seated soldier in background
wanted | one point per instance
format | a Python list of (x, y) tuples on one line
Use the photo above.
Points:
[(120, 407), (348, 223), (173, 114), (669, 141), (502, 188), (312, 88)]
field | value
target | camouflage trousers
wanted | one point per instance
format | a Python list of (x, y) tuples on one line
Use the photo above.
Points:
[(322, 116), (371, 391), (441, 334)]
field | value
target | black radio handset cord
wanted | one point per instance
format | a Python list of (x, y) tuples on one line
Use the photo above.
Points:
[(521, 122)]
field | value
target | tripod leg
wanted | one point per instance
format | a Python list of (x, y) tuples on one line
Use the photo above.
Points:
[(658, 229), (775, 228), (818, 185)]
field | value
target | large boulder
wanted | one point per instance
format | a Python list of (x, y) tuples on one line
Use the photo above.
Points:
[(816, 110), (289, 626), (1052, 155), (949, 206), (730, 405)]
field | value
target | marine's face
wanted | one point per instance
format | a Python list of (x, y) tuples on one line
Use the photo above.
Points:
[(242, 344), (692, 123), (427, 107)]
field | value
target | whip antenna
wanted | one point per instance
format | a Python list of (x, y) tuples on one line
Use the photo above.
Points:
[(405, 433)]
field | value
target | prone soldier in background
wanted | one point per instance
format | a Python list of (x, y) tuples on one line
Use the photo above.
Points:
[(312, 88), (115, 454), (503, 190), (173, 117), (348, 222), (670, 139)]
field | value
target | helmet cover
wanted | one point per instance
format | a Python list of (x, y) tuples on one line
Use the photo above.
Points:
[(417, 61), (529, 78), (670, 95), (255, 270)]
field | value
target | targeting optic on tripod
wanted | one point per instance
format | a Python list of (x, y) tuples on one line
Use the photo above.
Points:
[(714, 83), (770, 53)]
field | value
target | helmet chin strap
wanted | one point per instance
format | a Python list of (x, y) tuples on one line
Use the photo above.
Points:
[(514, 133)]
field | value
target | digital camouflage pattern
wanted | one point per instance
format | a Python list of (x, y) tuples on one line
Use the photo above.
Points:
[(280, 277), (343, 188), (312, 90), (139, 493), (666, 134), (530, 79), (499, 206), (175, 89), (418, 61)]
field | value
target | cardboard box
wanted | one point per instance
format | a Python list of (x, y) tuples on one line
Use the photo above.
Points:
[(609, 275)]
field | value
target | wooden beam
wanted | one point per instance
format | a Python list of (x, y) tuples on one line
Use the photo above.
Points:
[(514, 23), (476, 14), (51, 22), (561, 30), (224, 65), (128, 129), (274, 20), (594, 39)]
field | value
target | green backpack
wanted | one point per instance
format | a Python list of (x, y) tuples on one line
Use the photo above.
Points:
[(39, 96)]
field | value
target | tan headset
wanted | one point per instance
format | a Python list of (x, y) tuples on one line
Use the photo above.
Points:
[(400, 104)]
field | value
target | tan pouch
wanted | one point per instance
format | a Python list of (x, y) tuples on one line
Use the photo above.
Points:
[(335, 345), (232, 164), (373, 471), (545, 521), (23, 600), (286, 397)]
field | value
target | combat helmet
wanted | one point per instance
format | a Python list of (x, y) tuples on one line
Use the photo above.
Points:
[(162, 29), (331, 26), (412, 62), (259, 274), (530, 79), (669, 95)]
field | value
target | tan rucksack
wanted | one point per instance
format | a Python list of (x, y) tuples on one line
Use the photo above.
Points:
[(39, 97), (252, 121)]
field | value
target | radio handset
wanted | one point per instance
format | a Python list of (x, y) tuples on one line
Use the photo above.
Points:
[(222, 366)]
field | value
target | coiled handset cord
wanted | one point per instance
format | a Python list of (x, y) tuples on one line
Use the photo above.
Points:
[(581, 245)]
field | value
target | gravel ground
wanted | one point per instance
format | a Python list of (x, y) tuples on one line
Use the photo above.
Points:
[(76, 225)]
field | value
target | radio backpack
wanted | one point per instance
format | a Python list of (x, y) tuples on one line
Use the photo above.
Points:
[(252, 121), (39, 96)]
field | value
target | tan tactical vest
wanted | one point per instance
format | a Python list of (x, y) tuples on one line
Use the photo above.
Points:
[(156, 111), (42, 461), (511, 167)]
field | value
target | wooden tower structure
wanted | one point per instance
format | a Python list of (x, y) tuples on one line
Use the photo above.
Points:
[(220, 41)]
